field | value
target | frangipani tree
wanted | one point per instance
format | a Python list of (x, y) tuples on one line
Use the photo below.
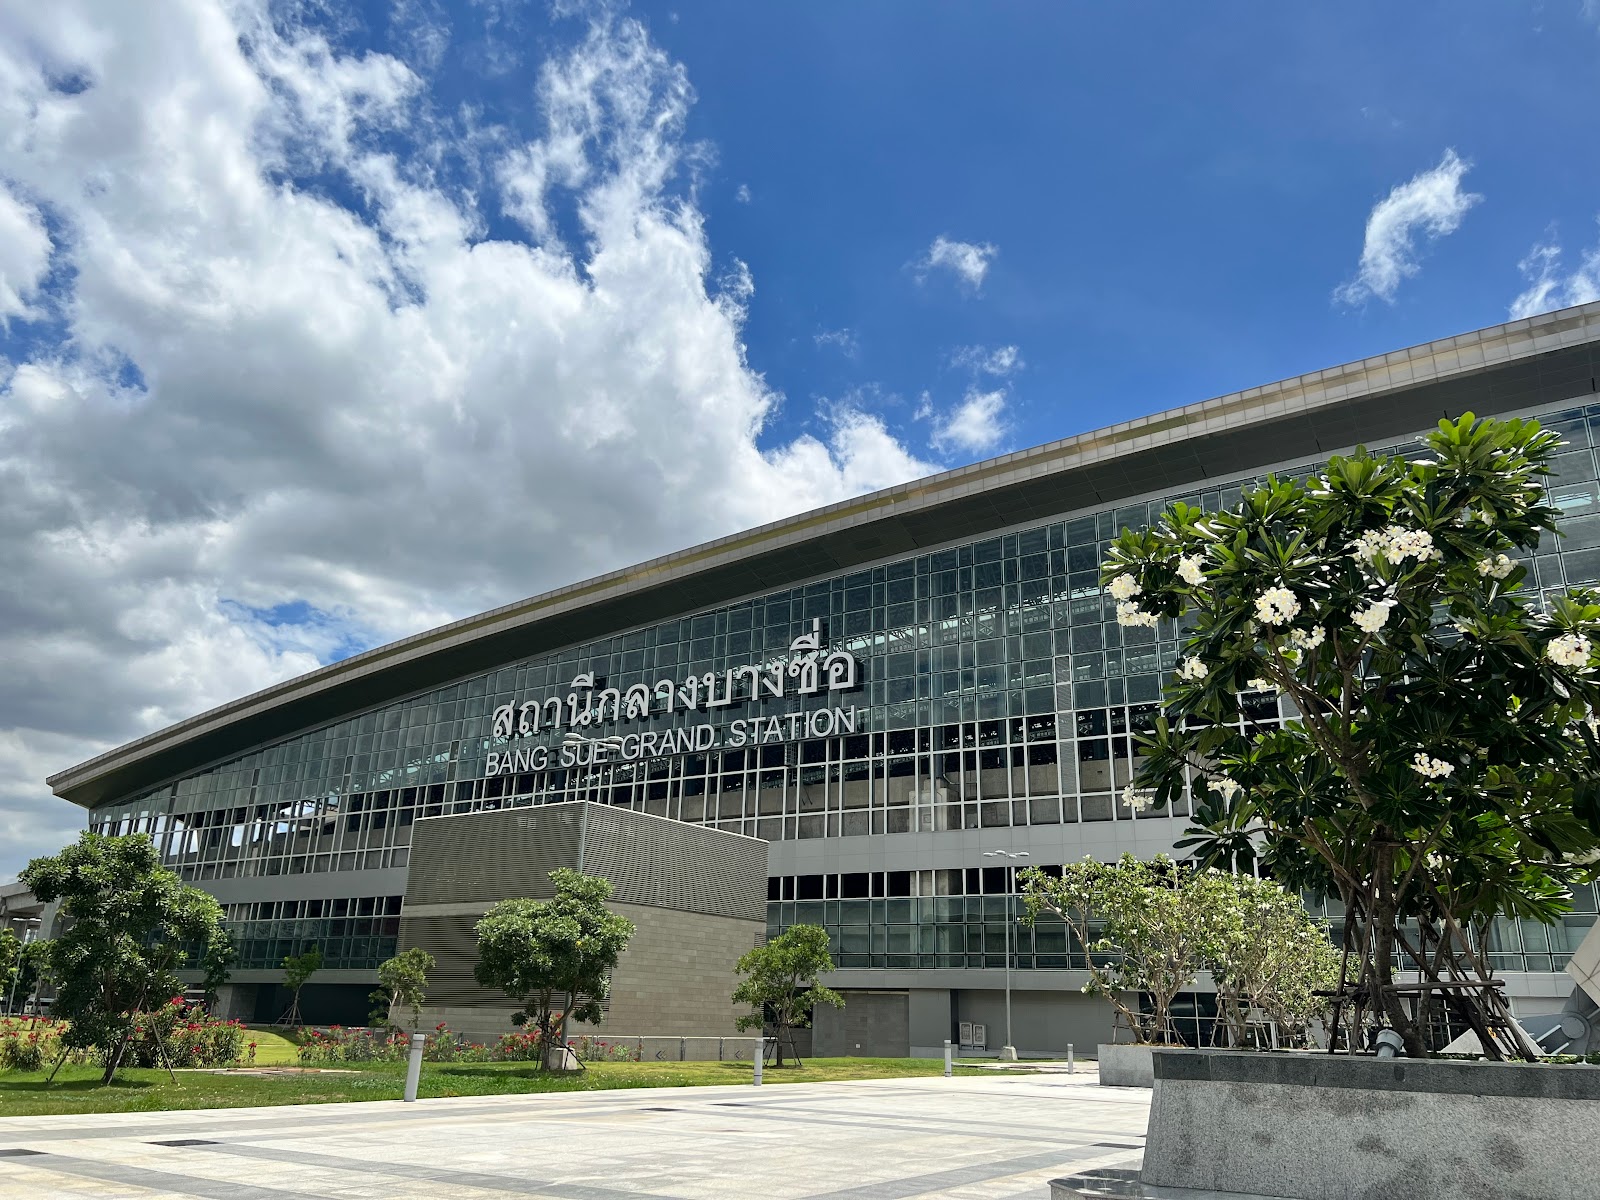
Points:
[(1442, 766), (1147, 928)]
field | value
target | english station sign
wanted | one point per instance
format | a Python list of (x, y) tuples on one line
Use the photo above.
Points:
[(809, 669)]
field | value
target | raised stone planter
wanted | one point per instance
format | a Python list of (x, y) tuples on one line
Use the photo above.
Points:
[(1312, 1126), (1126, 1065)]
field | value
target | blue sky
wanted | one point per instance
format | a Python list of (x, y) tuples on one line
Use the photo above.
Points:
[(321, 324), (1174, 197)]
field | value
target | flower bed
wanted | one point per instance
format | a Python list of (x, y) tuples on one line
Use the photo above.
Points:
[(30, 1043), (189, 1037)]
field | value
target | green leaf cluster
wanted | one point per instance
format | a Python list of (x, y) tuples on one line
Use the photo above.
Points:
[(780, 981), (402, 983), (535, 951), (130, 923)]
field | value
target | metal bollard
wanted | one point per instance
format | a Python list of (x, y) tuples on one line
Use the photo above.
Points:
[(948, 1068), (414, 1066), (761, 1055), (1071, 1069)]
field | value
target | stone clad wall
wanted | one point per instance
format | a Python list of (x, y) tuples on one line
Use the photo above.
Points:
[(1315, 1126)]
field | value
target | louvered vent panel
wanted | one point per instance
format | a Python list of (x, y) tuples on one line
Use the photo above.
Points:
[(491, 856), (454, 947), (479, 858), (670, 864)]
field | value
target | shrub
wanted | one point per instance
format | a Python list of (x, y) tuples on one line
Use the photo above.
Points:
[(591, 1049), (29, 1044), (190, 1037)]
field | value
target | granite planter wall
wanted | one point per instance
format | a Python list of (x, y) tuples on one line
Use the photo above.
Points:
[(1125, 1065), (1317, 1126)]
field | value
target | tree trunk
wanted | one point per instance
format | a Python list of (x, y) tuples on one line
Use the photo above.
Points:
[(114, 1060), (1381, 970)]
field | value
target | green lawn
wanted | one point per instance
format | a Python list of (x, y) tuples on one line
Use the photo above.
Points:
[(78, 1090)]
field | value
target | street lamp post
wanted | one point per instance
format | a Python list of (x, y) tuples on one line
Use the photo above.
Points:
[(1008, 1052)]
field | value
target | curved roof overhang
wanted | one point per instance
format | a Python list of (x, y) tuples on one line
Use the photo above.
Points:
[(1518, 365)]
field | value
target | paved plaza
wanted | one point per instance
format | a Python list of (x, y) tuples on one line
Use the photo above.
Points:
[(999, 1136)]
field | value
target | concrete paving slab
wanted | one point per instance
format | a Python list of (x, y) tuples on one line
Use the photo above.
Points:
[(997, 1136)]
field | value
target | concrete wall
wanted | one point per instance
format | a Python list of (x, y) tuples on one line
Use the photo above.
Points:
[(675, 977), (1042, 1023), (1313, 1126), (870, 1025)]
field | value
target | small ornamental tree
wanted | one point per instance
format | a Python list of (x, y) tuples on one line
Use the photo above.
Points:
[(539, 951), (10, 957), (1144, 927), (403, 982), (129, 925), (780, 981), (1268, 955), (1150, 927), (297, 972), (1439, 768), (32, 971)]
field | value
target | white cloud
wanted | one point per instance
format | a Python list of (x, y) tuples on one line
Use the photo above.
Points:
[(1001, 361), (277, 421), (842, 340), (24, 255), (742, 193), (1431, 204), (968, 261), (976, 425), (1548, 288)]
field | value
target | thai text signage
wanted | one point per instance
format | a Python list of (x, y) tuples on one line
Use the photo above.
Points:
[(810, 669)]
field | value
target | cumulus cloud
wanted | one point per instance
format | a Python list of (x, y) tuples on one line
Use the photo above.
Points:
[(976, 424), (1430, 205), (967, 261), (295, 399), (1549, 287), (742, 193), (1000, 361)]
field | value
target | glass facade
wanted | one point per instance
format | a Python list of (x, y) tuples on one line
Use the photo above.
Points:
[(998, 692)]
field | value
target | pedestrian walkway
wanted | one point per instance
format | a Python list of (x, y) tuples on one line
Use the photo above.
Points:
[(993, 1137)]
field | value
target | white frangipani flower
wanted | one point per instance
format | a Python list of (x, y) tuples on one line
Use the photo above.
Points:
[(1400, 544), (1189, 570), (1277, 606), (1496, 565), (1262, 685), (1125, 587), (1192, 669), (1308, 639), (1374, 617), (1137, 799), (1129, 613), (1430, 768), (1368, 546), (1225, 787), (1569, 650)]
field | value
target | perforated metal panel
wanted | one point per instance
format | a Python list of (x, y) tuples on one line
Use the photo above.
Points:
[(670, 864), (491, 856), (479, 858), (462, 864)]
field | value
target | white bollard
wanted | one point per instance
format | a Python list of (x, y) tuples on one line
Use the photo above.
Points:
[(761, 1055), (948, 1068), (414, 1066), (1070, 1068)]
